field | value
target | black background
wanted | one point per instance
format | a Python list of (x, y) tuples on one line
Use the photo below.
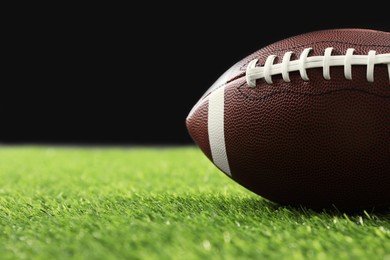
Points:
[(130, 75)]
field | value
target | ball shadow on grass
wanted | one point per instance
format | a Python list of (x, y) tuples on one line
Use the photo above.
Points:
[(242, 207)]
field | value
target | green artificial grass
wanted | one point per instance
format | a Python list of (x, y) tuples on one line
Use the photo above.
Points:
[(160, 203)]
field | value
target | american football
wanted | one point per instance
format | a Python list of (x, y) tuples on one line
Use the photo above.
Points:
[(304, 121)]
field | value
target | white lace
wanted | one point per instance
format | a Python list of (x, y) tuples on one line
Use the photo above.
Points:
[(305, 62)]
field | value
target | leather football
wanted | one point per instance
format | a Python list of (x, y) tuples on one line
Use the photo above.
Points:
[(304, 121)]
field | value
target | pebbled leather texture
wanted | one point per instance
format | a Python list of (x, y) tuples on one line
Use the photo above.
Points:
[(315, 143)]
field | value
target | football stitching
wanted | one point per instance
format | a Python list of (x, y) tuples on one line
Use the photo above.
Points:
[(306, 62), (243, 67)]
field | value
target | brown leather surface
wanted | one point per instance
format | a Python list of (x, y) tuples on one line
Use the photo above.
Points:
[(314, 143), (196, 124)]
